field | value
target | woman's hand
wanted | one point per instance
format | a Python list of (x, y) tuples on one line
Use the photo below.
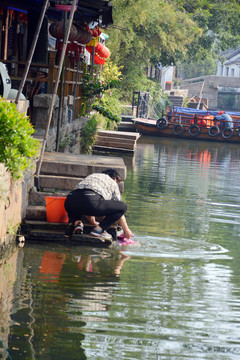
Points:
[(127, 233)]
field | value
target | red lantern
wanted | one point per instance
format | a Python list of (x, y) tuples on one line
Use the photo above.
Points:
[(99, 60), (102, 50), (89, 49)]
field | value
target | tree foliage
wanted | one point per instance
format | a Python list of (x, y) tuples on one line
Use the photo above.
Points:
[(152, 31), (219, 21)]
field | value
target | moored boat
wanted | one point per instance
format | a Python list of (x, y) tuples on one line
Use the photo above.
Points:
[(192, 124)]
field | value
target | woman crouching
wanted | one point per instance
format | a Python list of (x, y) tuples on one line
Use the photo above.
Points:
[(98, 195)]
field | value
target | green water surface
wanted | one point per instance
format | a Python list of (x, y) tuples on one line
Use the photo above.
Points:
[(174, 295)]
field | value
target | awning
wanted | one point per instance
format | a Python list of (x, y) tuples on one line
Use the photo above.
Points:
[(87, 11)]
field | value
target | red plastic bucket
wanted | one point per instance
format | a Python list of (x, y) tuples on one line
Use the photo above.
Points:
[(56, 212)]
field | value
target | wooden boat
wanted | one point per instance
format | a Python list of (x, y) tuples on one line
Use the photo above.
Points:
[(192, 124)]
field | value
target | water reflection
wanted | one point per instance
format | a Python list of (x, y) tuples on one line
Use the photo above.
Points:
[(9, 288), (175, 296), (43, 315)]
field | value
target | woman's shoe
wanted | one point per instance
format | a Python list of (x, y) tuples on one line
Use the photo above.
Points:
[(78, 228), (101, 234)]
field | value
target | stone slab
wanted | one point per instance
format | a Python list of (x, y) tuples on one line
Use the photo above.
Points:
[(114, 142), (36, 212), (58, 182), (127, 118), (127, 127), (119, 134), (63, 164), (44, 231), (37, 198), (58, 236), (112, 149)]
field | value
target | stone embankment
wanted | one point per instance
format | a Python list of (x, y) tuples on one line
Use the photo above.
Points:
[(60, 172)]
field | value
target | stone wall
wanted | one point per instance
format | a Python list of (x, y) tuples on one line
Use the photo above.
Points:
[(13, 204), (13, 197), (212, 85), (69, 132)]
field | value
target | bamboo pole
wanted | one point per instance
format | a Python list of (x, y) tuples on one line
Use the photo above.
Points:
[(6, 35), (75, 87), (200, 95), (60, 65), (31, 52)]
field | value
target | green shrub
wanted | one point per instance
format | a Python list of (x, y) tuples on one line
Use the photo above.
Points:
[(107, 114), (17, 146), (89, 132)]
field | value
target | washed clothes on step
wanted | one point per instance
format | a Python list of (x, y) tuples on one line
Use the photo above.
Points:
[(96, 195)]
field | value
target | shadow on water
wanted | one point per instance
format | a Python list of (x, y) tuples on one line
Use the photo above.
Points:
[(175, 295)]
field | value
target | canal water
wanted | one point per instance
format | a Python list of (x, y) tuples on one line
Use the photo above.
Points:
[(175, 294)]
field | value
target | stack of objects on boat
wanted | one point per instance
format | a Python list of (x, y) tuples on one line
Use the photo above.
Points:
[(46, 219)]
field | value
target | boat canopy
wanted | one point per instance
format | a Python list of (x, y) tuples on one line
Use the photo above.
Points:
[(190, 111)]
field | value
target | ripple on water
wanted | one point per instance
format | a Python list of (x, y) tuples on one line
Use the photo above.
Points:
[(157, 247)]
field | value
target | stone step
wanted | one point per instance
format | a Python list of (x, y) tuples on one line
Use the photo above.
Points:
[(28, 225), (127, 126), (79, 166), (119, 134), (36, 212), (41, 230), (58, 182), (117, 138), (127, 118), (115, 143), (112, 149), (58, 236), (37, 198)]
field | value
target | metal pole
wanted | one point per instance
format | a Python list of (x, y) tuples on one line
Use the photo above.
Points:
[(70, 20), (31, 52)]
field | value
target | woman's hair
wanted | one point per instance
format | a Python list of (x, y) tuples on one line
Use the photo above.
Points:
[(113, 173)]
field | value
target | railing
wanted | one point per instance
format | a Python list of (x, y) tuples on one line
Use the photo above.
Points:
[(140, 103)]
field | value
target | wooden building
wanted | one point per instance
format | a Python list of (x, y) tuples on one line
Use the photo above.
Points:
[(19, 20)]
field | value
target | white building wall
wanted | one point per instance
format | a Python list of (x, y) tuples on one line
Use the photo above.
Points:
[(167, 75), (229, 68)]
